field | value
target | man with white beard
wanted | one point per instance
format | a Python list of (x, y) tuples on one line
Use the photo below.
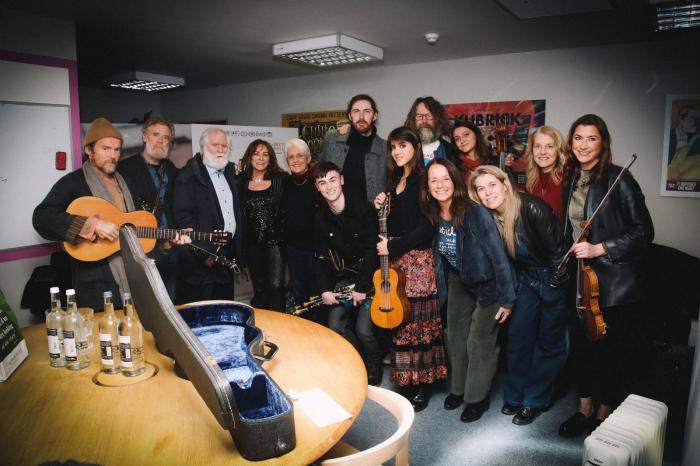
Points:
[(151, 177), (206, 199), (429, 120)]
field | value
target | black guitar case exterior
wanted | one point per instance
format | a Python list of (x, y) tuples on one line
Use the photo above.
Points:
[(218, 347)]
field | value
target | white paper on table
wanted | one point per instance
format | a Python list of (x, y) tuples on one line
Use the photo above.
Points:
[(319, 407)]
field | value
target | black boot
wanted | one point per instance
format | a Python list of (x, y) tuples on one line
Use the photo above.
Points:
[(375, 371), (421, 398)]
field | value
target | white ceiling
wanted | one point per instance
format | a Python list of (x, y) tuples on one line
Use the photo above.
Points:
[(214, 42)]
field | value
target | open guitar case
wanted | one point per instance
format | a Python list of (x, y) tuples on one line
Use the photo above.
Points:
[(218, 347)]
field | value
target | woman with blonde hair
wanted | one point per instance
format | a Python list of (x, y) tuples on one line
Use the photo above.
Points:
[(545, 154), (537, 346)]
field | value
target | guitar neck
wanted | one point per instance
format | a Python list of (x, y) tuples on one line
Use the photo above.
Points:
[(171, 234)]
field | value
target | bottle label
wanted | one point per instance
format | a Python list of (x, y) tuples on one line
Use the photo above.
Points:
[(54, 343), (69, 346), (125, 351), (106, 349)]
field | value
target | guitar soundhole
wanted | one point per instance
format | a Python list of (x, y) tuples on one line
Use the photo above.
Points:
[(385, 309)]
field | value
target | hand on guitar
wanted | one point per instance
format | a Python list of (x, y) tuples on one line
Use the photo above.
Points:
[(586, 250), (95, 229), (502, 314), (182, 239), (382, 246), (379, 200)]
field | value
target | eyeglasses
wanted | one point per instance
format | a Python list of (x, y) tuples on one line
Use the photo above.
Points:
[(424, 117)]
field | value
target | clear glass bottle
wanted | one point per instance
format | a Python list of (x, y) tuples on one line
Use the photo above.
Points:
[(109, 337), (74, 342), (131, 340), (55, 319)]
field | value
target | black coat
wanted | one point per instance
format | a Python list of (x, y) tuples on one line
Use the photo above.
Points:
[(353, 236), (195, 205), (539, 229), (50, 220), (142, 188), (624, 227), (408, 226)]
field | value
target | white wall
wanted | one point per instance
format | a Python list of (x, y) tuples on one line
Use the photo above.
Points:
[(625, 84), (30, 34)]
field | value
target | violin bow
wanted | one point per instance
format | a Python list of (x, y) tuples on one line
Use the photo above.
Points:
[(587, 227)]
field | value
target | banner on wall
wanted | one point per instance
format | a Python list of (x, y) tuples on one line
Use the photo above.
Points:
[(313, 126), (680, 166), (516, 119), (242, 136)]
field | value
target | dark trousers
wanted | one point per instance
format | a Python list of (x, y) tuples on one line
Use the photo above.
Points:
[(601, 368), (300, 272), (537, 340), (356, 326), (266, 265), (207, 291), (167, 265)]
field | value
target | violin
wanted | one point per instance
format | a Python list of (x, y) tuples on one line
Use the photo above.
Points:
[(587, 296)]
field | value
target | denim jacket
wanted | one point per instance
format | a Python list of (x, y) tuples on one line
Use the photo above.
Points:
[(484, 266)]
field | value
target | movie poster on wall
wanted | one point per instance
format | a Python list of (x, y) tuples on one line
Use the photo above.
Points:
[(313, 126), (680, 166), (507, 121)]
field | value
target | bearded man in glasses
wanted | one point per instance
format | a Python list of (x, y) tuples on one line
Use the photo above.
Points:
[(429, 120)]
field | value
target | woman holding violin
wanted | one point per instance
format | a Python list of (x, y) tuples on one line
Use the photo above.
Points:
[(537, 346), (611, 257)]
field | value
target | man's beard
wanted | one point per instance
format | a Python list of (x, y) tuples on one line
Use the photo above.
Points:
[(156, 153), (212, 161), (366, 127), (427, 134)]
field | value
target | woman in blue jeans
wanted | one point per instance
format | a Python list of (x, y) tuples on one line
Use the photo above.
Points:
[(473, 274), (537, 342)]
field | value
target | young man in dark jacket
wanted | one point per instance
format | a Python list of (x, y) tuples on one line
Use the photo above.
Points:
[(345, 233)]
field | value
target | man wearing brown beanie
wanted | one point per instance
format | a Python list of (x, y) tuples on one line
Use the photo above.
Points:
[(98, 177)]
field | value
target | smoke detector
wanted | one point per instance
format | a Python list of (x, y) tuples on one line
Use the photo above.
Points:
[(432, 37)]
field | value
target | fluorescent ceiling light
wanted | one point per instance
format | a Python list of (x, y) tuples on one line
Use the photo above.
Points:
[(677, 15), (142, 81), (327, 51)]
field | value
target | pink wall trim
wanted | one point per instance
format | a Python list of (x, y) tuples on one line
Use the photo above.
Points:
[(72, 67)]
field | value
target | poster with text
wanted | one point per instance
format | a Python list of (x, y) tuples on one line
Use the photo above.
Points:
[(514, 120), (313, 126), (680, 161)]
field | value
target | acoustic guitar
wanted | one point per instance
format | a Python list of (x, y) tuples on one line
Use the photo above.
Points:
[(144, 223), (389, 307)]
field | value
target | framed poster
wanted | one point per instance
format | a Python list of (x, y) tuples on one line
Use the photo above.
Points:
[(313, 126), (512, 120), (680, 161)]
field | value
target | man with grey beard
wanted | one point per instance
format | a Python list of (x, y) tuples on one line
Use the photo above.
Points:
[(429, 120), (150, 177), (206, 199)]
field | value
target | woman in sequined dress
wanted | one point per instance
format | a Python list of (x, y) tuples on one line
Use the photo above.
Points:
[(261, 194)]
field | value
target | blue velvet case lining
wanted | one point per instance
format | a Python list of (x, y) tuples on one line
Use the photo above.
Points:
[(224, 330)]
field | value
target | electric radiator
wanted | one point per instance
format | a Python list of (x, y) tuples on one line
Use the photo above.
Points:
[(632, 435)]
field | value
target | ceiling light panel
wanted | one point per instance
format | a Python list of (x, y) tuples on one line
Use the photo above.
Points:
[(328, 51), (148, 82), (676, 15)]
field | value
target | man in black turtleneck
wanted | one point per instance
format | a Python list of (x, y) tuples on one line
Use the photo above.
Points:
[(361, 153)]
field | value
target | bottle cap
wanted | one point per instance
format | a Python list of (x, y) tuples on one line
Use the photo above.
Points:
[(54, 289), (107, 294), (70, 292)]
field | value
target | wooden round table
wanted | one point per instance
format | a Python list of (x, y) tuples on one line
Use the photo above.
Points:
[(53, 414)]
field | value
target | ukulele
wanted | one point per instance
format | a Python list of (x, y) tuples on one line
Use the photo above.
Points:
[(144, 223), (389, 307)]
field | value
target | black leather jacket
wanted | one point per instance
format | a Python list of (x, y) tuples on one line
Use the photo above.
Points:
[(539, 229), (624, 227)]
